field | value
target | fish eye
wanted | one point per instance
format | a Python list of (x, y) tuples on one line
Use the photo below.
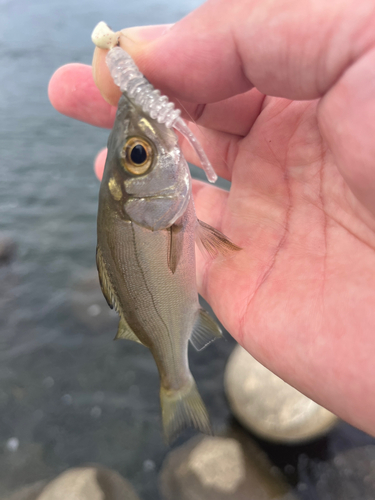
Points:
[(137, 155)]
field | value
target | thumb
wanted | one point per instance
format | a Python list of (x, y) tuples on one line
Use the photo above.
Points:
[(286, 48), (194, 60), (135, 42)]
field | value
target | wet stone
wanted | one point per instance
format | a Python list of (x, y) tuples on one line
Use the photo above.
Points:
[(30, 492), (88, 483), (7, 248), (221, 468), (268, 406), (23, 462)]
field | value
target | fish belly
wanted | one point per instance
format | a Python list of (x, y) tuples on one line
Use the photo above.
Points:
[(158, 305)]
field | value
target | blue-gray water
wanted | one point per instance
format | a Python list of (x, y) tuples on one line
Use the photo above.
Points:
[(68, 394)]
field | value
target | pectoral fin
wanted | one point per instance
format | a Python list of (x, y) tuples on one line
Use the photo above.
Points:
[(176, 242), (125, 332), (212, 241), (205, 331)]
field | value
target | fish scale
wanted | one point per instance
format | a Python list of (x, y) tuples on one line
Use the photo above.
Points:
[(166, 303)]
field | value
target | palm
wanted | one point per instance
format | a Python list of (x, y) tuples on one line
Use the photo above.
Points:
[(299, 295), (302, 282)]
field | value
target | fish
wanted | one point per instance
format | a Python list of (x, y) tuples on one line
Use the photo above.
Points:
[(147, 228)]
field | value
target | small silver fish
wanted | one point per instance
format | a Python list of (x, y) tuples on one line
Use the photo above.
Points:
[(147, 227)]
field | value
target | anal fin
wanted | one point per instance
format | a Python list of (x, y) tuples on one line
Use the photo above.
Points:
[(125, 332), (212, 241), (205, 331)]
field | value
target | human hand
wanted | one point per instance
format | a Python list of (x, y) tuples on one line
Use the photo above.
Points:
[(301, 295)]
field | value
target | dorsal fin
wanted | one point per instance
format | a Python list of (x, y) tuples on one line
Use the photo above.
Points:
[(125, 332), (205, 330), (212, 241)]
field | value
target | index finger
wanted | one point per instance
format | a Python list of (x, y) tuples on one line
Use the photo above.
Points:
[(72, 91)]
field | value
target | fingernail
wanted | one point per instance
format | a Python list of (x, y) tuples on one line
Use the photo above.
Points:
[(142, 34)]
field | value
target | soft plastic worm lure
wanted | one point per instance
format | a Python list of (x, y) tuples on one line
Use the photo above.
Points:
[(131, 81)]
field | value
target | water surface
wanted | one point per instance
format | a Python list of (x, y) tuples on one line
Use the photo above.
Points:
[(68, 394)]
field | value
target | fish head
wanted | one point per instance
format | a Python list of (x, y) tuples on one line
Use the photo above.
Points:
[(145, 174)]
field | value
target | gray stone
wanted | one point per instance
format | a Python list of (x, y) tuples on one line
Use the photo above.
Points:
[(30, 492), (221, 468), (89, 483), (268, 406), (24, 463), (7, 248)]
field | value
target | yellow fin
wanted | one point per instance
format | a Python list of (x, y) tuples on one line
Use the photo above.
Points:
[(205, 331), (125, 332), (212, 241), (181, 409)]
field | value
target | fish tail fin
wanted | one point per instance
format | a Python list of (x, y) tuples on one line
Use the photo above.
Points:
[(181, 409)]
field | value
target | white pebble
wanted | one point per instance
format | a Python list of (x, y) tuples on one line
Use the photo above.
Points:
[(13, 444), (94, 310), (38, 414), (96, 411), (302, 486), (48, 382), (67, 399), (289, 469), (148, 465)]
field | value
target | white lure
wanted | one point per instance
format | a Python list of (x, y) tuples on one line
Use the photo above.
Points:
[(127, 76)]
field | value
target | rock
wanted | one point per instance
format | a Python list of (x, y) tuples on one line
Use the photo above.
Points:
[(268, 406), (24, 462), (7, 248), (221, 468), (29, 492), (89, 483)]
